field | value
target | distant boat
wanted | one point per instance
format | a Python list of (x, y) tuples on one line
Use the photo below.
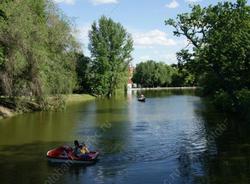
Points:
[(142, 99)]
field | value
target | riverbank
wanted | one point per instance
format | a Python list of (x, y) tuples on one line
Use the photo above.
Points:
[(7, 111)]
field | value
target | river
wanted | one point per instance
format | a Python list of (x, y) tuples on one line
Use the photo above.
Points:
[(175, 137)]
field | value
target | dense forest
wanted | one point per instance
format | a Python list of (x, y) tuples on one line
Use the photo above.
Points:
[(40, 59), (158, 74)]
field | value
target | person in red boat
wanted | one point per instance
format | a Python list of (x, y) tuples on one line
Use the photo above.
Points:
[(65, 153), (77, 149), (81, 151), (84, 149)]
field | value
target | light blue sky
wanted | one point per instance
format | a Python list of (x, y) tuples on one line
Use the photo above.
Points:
[(144, 19)]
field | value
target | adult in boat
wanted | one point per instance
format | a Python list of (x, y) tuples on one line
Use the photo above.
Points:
[(77, 148), (142, 98)]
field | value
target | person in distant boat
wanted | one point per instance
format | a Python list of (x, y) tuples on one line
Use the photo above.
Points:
[(84, 149), (142, 96), (77, 149)]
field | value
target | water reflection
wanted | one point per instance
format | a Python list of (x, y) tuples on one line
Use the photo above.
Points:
[(230, 164)]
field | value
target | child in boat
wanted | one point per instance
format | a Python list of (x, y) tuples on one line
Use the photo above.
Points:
[(84, 149), (84, 152)]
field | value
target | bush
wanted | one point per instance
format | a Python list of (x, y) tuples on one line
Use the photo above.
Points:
[(223, 101), (243, 102)]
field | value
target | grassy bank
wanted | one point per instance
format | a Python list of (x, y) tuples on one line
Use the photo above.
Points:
[(76, 98), (26, 105)]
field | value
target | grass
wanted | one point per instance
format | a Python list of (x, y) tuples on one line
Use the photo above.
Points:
[(76, 98)]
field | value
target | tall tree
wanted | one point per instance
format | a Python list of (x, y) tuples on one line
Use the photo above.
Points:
[(111, 46), (220, 38)]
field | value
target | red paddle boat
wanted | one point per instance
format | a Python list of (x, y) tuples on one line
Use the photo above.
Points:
[(66, 154)]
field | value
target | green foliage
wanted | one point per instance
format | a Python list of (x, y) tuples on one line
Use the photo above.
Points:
[(111, 48), (182, 76), (243, 102), (152, 74), (157, 74), (37, 50), (84, 74), (223, 101), (220, 58)]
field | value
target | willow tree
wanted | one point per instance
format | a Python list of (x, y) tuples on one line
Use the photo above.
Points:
[(111, 46), (36, 50)]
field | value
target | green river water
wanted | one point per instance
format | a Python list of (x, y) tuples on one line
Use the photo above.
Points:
[(174, 137)]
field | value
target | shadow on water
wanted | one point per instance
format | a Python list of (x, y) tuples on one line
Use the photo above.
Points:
[(220, 153), (228, 157)]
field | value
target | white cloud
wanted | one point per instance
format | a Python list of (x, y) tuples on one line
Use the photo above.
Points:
[(172, 4), (152, 38), (193, 1), (144, 58), (82, 33), (65, 1), (168, 58), (148, 44), (98, 2)]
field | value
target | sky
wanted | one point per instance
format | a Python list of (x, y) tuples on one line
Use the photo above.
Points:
[(143, 19)]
